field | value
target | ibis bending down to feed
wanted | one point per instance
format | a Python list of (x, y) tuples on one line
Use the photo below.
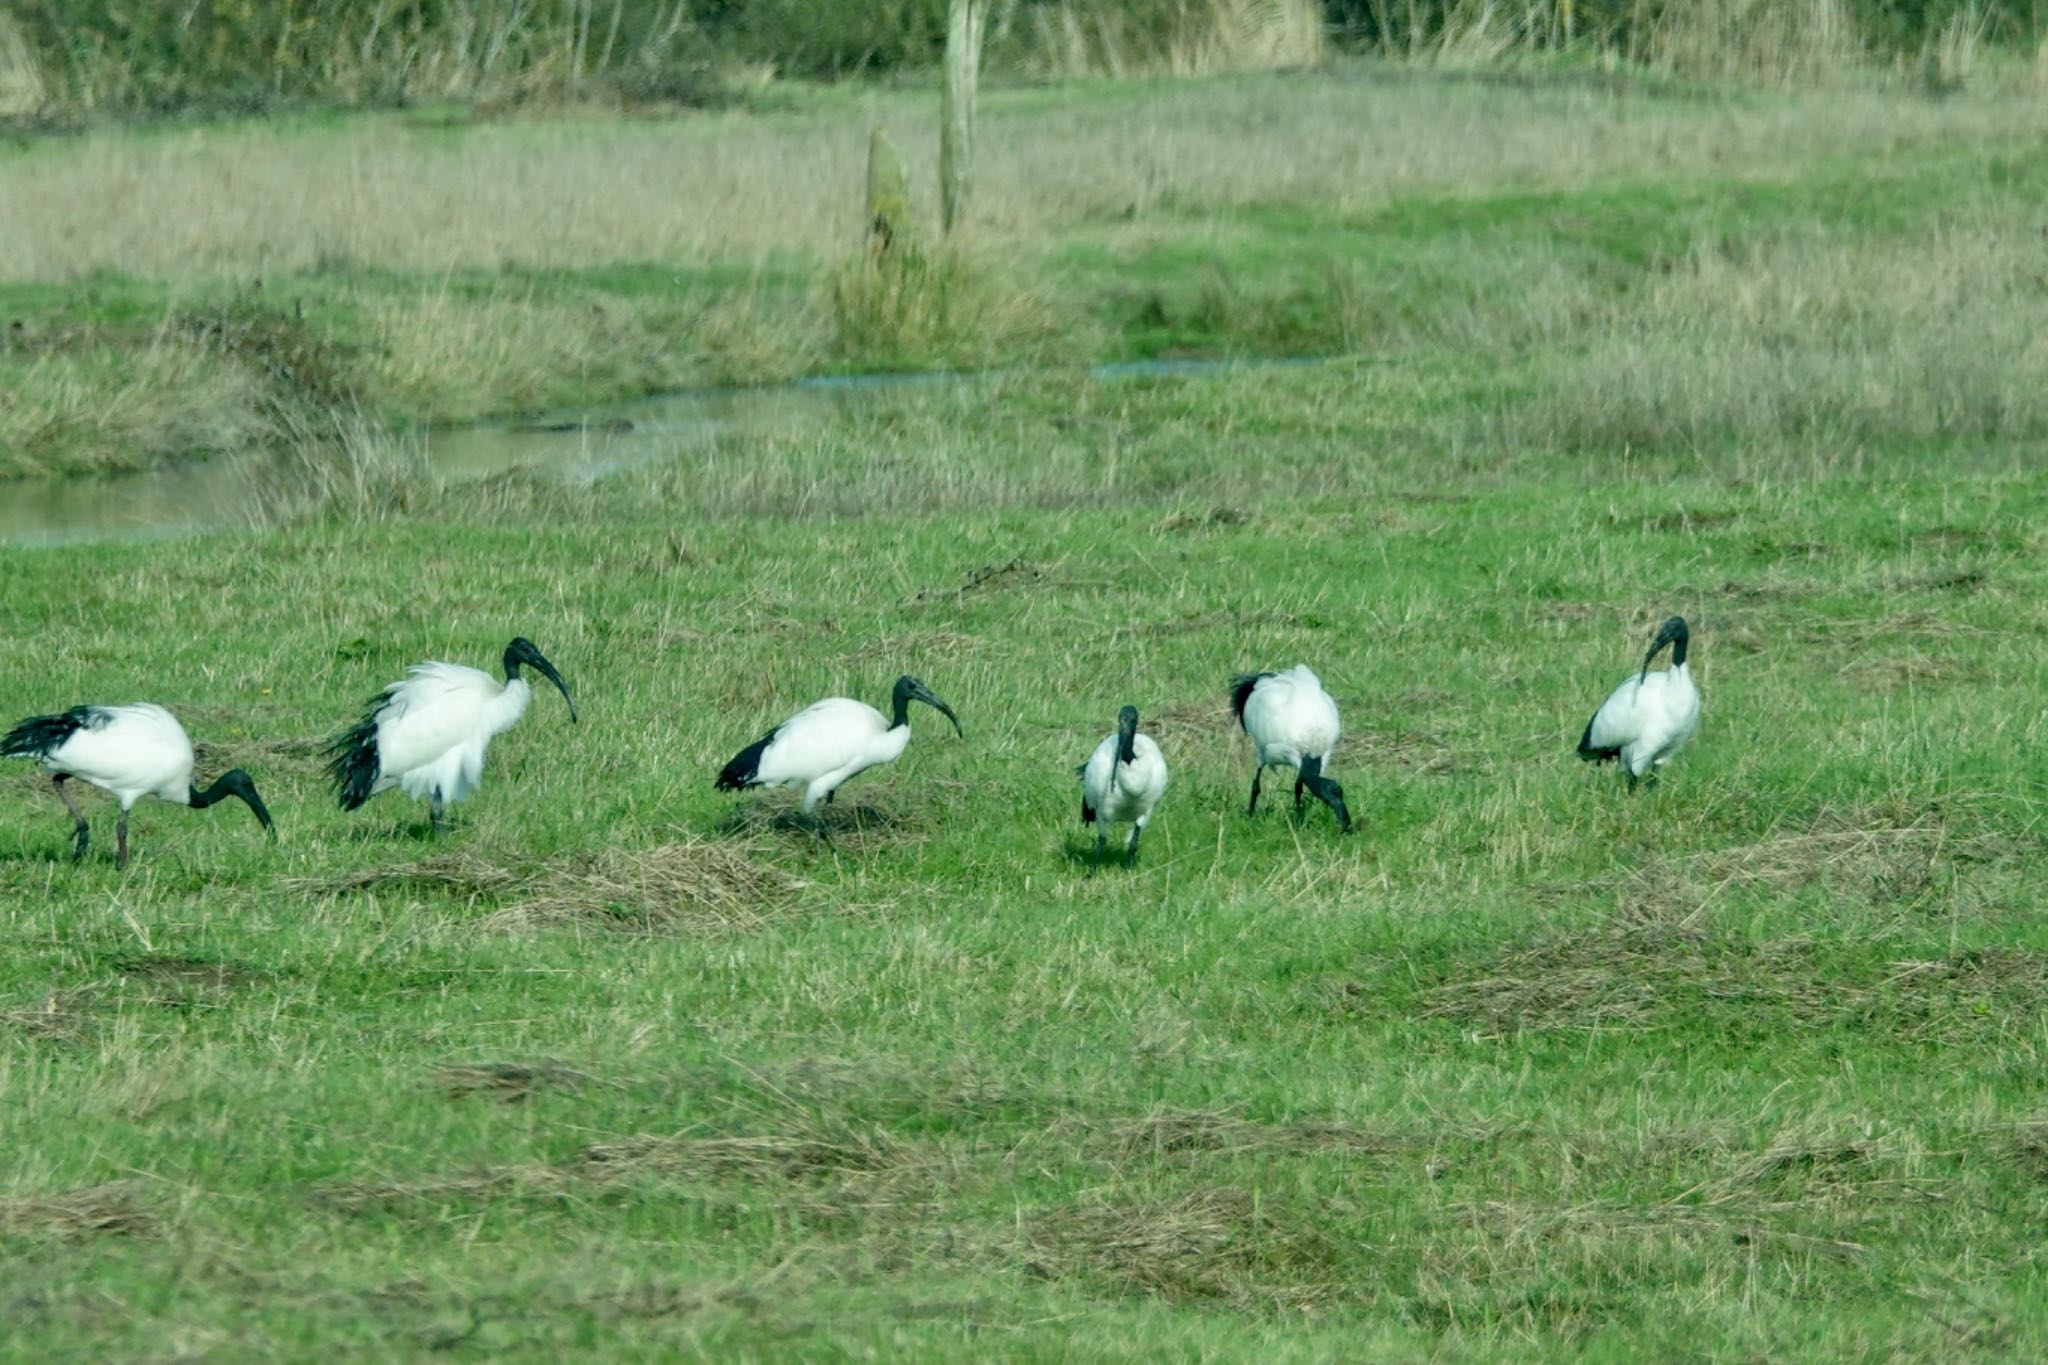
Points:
[(1293, 724), (827, 742), (1648, 718), (1122, 780), (129, 751), (428, 734)]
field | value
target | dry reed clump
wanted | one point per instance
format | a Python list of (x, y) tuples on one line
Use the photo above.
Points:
[(1218, 1244), (913, 306), (692, 886), (1173, 37), (1763, 42), (90, 405), (115, 1209)]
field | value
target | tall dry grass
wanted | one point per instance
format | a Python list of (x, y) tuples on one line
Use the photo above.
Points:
[(1786, 43), (243, 201), (1173, 37), (1816, 344)]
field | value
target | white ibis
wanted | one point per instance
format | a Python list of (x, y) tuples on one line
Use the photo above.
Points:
[(829, 741), (1122, 780), (428, 735), (128, 751), (1293, 724), (1649, 717)]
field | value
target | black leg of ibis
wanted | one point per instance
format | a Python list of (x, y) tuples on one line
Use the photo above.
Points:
[(121, 842), (1631, 780), (82, 833), (1253, 805), (1101, 848), (1131, 849), (437, 813), (1298, 782), (824, 836)]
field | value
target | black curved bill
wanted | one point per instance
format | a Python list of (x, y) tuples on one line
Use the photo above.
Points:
[(548, 671)]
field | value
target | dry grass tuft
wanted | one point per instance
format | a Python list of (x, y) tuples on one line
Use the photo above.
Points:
[(260, 757), (110, 1210), (1212, 1132), (1011, 573), (852, 825), (1203, 719), (1218, 1244), (1174, 37), (693, 886), (1644, 974), (1216, 518), (461, 872), (1405, 749), (61, 1016), (758, 1157), (509, 1082), (848, 1173)]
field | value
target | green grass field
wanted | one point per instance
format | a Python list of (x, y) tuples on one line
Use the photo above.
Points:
[(1745, 1067)]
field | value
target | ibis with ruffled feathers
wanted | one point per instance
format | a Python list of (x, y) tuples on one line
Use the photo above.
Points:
[(829, 741), (1122, 780), (428, 734), (1649, 717), (1293, 723), (129, 752)]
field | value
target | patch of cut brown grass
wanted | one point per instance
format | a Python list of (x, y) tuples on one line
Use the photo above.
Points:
[(1219, 1244), (508, 1082), (688, 886), (463, 872), (846, 1172), (695, 886), (760, 1156), (61, 1016), (110, 1210), (1213, 1132)]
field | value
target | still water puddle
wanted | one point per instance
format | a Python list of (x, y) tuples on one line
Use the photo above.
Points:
[(577, 449)]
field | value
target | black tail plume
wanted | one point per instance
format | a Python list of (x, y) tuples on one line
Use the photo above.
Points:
[(38, 735), (743, 771), (1591, 754), (352, 760), (1241, 692)]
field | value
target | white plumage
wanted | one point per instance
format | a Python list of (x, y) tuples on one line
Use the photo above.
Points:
[(1648, 718), (130, 752), (1122, 780), (1292, 723), (827, 742), (428, 735)]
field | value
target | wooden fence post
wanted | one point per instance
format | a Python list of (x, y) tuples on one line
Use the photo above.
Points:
[(956, 114)]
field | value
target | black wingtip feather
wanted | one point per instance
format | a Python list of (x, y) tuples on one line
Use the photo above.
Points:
[(38, 735), (745, 768), (1590, 753), (352, 759), (1241, 692)]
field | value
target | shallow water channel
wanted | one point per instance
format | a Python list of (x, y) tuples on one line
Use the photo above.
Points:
[(574, 447)]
